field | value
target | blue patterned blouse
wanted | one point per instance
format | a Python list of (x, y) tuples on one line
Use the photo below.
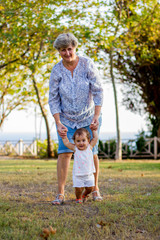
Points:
[(74, 97)]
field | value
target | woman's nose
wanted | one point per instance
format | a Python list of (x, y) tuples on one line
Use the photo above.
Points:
[(67, 52)]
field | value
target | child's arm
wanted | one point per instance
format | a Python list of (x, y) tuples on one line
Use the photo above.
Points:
[(68, 144), (94, 139)]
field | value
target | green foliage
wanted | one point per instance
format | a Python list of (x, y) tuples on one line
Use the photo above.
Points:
[(153, 125), (140, 141), (131, 30), (126, 149), (108, 147), (42, 148), (28, 29), (139, 61)]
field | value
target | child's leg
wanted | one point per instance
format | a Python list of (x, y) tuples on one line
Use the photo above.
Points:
[(78, 192), (87, 191)]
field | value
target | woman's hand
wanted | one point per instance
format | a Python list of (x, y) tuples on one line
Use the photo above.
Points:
[(95, 123), (62, 130)]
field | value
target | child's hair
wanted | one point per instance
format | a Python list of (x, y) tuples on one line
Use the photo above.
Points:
[(80, 131)]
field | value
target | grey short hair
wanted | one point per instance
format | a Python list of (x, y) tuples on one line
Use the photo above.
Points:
[(64, 40)]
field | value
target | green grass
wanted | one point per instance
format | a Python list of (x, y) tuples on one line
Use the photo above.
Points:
[(130, 209)]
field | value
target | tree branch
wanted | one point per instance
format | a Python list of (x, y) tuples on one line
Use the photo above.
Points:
[(40, 48), (16, 59)]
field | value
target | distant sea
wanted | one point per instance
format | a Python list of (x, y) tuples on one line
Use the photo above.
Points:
[(30, 136)]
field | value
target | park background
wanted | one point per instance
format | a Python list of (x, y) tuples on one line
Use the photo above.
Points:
[(21, 124), (122, 38)]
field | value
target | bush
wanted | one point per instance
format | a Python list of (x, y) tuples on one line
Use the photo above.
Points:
[(108, 147), (42, 148), (126, 149), (140, 141)]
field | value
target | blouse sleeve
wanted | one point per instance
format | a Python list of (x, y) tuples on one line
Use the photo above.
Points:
[(96, 84), (54, 97)]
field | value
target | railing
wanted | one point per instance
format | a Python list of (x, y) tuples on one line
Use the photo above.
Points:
[(20, 148), (150, 150)]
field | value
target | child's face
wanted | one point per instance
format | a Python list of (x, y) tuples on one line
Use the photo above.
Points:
[(81, 141)]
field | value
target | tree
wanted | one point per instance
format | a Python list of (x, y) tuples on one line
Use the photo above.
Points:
[(27, 33), (26, 37), (15, 92), (25, 29), (102, 35), (139, 62)]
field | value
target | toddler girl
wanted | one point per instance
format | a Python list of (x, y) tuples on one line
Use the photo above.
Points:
[(83, 167)]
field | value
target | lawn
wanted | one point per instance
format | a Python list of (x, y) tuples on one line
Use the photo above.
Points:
[(130, 209)]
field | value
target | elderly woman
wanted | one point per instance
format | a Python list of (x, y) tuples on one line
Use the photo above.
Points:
[(75, 100)]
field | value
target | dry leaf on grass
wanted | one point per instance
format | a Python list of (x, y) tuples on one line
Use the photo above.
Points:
[(140, 231), (52, 231), (47, 232)]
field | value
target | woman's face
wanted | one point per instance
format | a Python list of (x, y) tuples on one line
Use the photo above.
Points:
[(68, 54)]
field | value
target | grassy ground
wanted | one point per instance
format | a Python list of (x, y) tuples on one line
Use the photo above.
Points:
[(130, 209)]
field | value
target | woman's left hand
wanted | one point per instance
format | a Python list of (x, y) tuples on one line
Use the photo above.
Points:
[(95, 123)]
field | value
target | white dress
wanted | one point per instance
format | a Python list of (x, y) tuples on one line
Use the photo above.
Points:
[(83, 168)]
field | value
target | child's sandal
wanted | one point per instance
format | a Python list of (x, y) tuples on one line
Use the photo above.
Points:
[(78, 200)]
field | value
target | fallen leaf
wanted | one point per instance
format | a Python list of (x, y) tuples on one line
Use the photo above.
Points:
[(46, 230), (46, 233), (142, 175), (140, 231), (52, 231)]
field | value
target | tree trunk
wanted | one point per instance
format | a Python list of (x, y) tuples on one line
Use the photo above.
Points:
[(49, 142), (118, 155)]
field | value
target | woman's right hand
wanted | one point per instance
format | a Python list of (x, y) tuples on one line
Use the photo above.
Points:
[(62, 130)]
